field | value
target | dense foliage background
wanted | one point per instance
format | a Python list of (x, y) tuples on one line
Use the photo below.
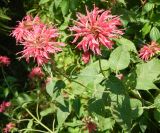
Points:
[(115, 92)]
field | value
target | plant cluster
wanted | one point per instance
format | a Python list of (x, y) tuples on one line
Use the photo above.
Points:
[(91, 66)]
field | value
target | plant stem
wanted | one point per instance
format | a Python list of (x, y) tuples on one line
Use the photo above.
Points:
[(100, 66), (38, 121), (3, 73), (33, 130)]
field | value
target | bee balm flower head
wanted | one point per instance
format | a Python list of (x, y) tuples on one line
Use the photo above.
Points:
[(39, 40), (4, 61), (96, 29), (36, 72), (149, 50), (23, 27), (8, 127)]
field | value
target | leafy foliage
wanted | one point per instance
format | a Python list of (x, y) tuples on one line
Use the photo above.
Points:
[(115, 92)]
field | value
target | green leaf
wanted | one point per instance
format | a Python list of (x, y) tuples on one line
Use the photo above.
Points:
[(157, 102), (57, 3), (147, 73), (120, 103), (119, 59), (143, 122), (30, 124), (126, 44), (64, 7), (43, 2), (53, 86), (147, 7), (154, 34), (62, 111), (96, 106), (74, 4), (23, 98), (50, 87), (136, 106), (3, 15), (122, 1), (62, 116), (157, 115), (146, 29), (46, 111), (76, 105), (106, 123), (90, 76)]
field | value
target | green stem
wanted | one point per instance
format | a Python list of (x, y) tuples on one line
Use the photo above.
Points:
[(40, 131), (100, 66), (38, 121), (3, 73), (37, 111)]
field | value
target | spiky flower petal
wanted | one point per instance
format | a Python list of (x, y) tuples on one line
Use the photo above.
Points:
[(36, 72), (149, 50), (39, 40), (4, 61), (96, 29)]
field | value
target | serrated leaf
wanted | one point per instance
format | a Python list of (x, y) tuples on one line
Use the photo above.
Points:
[(126, 44), (147, 73), (119, 59), (90, 76), (154, 34), (120, 103)]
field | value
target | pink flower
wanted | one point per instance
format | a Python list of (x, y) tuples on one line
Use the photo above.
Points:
[(38, 39), (8, 127), (25, 26), (96, 29), (36, 72), (4, 105), (86, 57), (149, 50), (4, 61)]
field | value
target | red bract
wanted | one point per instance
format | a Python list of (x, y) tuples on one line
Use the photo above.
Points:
[(96, 29), (8, 127), (149, 50), (4, 105), (39, 40), (36, 72), (4, 61)]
